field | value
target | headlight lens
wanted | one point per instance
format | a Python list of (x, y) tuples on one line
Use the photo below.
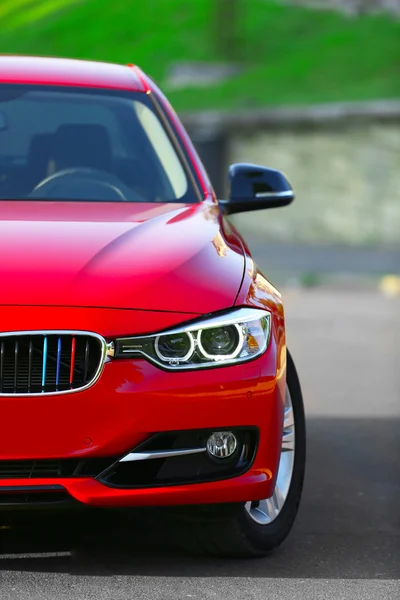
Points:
[(221, 340), (178, 346)]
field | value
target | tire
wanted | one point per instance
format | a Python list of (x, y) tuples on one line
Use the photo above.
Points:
[(229, 530)]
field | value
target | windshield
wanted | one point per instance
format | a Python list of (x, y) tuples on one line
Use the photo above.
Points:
[(88, 145)]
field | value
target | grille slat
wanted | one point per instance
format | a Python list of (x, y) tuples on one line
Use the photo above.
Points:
[(1, 364), (86, 359), (44, 363), (72, 368), (59, 347), (29, 469), (16, 363), (30, 351), (52, 468)]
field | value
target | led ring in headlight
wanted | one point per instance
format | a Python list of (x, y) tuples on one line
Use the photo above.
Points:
[(222, 343), (172, 347)]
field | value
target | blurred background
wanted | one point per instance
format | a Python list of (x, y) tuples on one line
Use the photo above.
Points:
[(311, 87)]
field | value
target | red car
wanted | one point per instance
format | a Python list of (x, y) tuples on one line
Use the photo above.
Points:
[(143, 358)]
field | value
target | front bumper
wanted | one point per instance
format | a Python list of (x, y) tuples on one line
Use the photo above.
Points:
[(132, 401)]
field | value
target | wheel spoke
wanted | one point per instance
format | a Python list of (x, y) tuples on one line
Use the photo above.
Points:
[(278, 498), (259, 512), (269, 508), (288, 418)]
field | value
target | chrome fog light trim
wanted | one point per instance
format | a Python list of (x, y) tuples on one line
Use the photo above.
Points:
[(133, 456)]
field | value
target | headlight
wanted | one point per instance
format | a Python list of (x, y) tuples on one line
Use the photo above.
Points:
[(221, 340)]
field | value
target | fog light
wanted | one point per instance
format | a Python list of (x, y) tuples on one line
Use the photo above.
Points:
[(221, 444)]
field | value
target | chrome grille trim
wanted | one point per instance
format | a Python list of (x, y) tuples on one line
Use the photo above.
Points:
[(105, 353)]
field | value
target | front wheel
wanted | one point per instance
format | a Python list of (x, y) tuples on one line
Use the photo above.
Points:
[(255, 528)]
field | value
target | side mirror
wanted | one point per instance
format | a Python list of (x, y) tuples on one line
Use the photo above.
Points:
[(253, 187)]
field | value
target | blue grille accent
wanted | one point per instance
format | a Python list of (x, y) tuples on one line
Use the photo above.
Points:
[(44, 362)]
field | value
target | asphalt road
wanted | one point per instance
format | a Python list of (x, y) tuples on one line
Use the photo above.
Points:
[(346, 541)]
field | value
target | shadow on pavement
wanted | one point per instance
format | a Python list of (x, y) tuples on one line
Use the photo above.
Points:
[(348, 525)]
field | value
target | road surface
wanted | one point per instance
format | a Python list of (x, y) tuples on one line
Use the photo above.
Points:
[(326, 259)]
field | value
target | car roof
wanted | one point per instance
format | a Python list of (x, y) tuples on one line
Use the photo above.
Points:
[(69, 72)]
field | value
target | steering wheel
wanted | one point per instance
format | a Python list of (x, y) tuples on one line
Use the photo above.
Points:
[(80, 183)]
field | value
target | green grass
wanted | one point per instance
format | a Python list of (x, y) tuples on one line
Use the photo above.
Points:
[(290, 55)]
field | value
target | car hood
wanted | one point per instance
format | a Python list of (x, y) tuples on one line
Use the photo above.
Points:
[(162, 257)]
